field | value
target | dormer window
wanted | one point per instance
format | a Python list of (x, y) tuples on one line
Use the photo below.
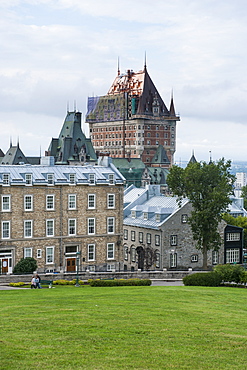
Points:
[(6, 178), (72, 178), (111, 178), (92, 178), (50, 178), (145, 215), (133, 214), (157, 217), (28, 178)]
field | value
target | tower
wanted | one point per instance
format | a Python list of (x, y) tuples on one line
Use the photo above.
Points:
[(132, 120)]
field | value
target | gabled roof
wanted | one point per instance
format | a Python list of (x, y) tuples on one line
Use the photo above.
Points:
[(160, 156), (14, 156)]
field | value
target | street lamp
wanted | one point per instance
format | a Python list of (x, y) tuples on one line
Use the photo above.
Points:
[(77, 268)]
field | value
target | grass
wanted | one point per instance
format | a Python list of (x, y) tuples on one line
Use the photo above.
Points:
[(123, 328)]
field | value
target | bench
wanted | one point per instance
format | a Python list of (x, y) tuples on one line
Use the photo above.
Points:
[(46, 282)]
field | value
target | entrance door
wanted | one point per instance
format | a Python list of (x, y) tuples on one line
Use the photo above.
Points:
[(140, 253), (4, 266), (70, 263)]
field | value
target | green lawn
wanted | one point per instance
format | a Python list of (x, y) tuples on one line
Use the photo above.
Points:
[(123, 328)]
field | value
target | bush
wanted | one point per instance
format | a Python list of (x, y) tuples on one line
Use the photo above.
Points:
[(66, 282), (119, 282), (25, 266), (230, 273), (203, 279), (17, 284)]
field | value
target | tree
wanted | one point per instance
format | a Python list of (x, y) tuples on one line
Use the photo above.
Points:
[(25, 266), (244, 195), (208, 186)]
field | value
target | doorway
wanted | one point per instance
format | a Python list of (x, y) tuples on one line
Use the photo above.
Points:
[(70, 264)]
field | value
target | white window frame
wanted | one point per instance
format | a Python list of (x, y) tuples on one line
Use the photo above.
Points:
[(111, 178), (140, 236), (145, 215), (133, 254), (50, 228), (110, 201), (110, 251), (6, 204), (132, 235), (49, 257), (91, 201), (71, 226), (29, 178), (232, 255), (194, 258), (173, 240), (184, 219), (91, 252), (39, 253), (6, 179), (149, 238), (4, 230), (157, 217), (72, 178), (157, 240), (27, 209), (91, 226), (126, 253), (230, 237), (28, 230), (110, 225), (50, 202), (133, 214), (91, 178), (72, 203), (50, 178), (173, 260), (26, 250), (215, 257), (125, 234)]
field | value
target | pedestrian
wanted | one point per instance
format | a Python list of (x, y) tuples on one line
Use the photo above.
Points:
[(38, 281), (33, 283)]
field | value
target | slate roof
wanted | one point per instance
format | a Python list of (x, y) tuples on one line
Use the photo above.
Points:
[(14, 155)]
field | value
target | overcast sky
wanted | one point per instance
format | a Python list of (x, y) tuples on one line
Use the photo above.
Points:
[(59, 51)]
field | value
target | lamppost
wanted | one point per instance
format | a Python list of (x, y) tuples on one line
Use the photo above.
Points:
[(77, 268)]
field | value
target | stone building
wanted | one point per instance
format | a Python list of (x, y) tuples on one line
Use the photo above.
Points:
[(132, 120), (157, 235), (61, 215)]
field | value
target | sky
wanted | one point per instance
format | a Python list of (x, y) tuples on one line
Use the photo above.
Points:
[(56, 53)]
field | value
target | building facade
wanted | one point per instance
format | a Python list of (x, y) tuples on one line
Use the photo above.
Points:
[(132, 120), (66, 217), (157, 234)]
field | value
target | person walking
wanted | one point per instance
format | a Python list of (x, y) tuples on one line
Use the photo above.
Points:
[(33, 283), (38, 279)]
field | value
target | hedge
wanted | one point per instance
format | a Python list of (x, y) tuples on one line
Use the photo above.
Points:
[(66, 282), (119, 282), (203, 279), (231, 273)]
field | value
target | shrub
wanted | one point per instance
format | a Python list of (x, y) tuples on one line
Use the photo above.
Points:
[(25, 266), (17, 284), (119, 282), (230, 273), (202, 279), (66, 282)]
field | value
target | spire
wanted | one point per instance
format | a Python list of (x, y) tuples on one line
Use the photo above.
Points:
[(10, 144), (172, 108), (18, 142), (118, 69), (145, 62), (210, 156), (193, 158)]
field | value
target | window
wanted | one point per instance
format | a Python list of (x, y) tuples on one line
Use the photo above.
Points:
[(91, 178), (157, 239), (157, 260), (72, 226), (91, 252), (28, 252), (91, 225), (49, 254), (72, 201), (50, 178), (111, 178), (232, 237), (232, 255), (5, 229), (28, 178), (28, 229), (194, 258), (110, 251), (125, 234), (173, 240), (126, 253), (157, 217), (133, 214), (50, 202), (6, 179), (184, 219), (39, 253), (5, 203), (173, 260), (140, 237), (133, 235), (148, 238), (110, 200), (111, 267), (91, 201), (145, 215), (49, 227), (215, 257), (133, 254), (28, 202), (110, 225), (72, 178)]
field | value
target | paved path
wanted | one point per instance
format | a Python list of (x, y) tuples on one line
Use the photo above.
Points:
[(167, 283), (6, 287)]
